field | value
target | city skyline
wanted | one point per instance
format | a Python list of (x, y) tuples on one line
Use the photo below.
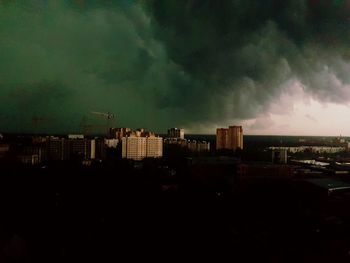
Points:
[(273, 67)]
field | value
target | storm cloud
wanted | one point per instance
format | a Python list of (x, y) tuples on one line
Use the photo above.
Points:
[(158, 63)]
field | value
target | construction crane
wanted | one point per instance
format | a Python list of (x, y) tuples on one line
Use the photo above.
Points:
[(108, 116)]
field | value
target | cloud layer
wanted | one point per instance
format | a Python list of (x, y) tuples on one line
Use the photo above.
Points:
[(166, 63)]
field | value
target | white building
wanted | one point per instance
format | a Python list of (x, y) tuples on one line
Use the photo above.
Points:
[(111, 143), (313, 149), (134, 147), (75, 136), (137, 147)]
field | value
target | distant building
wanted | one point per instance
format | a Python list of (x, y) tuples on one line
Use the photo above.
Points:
[(34, 150), (279, 156), (134, 148), (30, 159), (84, 149), (154, 146), (119, 133), (75, 147), (229, 138), (192, 145), (176, 133), (221, 138), (235, 137), (138, 146), (56, 149), (111, 143), (177, 141), (75, 136), (203, 146), (311, 149)]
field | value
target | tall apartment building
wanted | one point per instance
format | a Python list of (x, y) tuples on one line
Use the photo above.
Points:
[(81, 148), (235, 137), (74, 147), (154, 147), (137, 147), (176, 133), (230, 138), (221, 138), (134, 147), (56, 149)]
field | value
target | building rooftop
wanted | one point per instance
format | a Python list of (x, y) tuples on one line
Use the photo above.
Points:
[(329, 184)]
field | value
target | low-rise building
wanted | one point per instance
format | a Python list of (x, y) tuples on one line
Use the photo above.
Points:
[(265, 170), (30, 159), (111, 143), (312, 149), (176, 133), (192, 145)]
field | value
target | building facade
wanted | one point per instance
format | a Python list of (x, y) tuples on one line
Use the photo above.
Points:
[(176, 133), (154, 147), (137, 147), (119, 133), (221, 138), (191, 145), (74, 148), (230, 138), (235, 137), (134, 147)]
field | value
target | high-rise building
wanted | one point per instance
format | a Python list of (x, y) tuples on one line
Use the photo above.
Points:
[(137, 147), (176, 133), (229, 138), (154, 147), (221, 138), (80, 148), (56, 149), (235, 137), (134, 147), (75, 147)]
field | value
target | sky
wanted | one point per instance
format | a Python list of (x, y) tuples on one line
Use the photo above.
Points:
[(273, 66)]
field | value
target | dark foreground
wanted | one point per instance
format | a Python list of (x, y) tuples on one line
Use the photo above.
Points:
[(100, 215)]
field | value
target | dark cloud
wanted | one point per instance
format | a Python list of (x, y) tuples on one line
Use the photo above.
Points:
[(167, 63)]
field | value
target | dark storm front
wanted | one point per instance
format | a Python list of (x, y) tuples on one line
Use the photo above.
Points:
[(81, 181), (183, 205), (218, 61)]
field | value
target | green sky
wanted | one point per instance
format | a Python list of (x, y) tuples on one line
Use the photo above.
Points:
[(158, 64)]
